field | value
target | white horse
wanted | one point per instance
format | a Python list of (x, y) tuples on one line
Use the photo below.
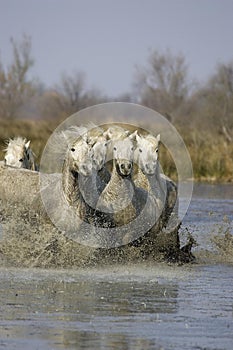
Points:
[(78, 162), (19, 154), (93, 136), (149, 175), (99, 155), (132, 210), (84, 167), (118, 192), (65, 195)]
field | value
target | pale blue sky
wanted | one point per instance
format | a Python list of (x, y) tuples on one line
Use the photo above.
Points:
[(107, 38)]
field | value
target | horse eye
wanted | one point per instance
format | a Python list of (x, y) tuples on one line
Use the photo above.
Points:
[(156, 150), (140, 150), (105, 144), (131, 148), (114, 148), (72, 149), (21, 160)]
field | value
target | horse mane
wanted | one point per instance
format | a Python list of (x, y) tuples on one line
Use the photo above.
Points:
[(89, 132), (62, 140), (116, 132), (15, 142), (19, 142), (94, 133), (155, 140)]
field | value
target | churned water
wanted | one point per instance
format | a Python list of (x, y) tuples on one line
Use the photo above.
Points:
[(137, 306)]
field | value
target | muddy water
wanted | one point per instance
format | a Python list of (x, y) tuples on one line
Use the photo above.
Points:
[(144, 306)]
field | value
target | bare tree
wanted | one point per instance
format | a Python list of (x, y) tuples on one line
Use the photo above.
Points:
[(15, 87), (222, 86), (215, 101), (163, 84), (72, 94)]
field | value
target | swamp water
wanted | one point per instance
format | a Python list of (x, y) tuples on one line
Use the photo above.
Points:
[(138, 306)]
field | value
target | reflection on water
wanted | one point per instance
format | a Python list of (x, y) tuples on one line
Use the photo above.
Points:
[(144, 306), (221, 191), (81, 301), (68, 310)]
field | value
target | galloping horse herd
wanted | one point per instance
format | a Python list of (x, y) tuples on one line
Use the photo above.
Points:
[(112, 177)]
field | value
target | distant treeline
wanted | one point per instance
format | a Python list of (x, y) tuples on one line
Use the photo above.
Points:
[(202, 112)]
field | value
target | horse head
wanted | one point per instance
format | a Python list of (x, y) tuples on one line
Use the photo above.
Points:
[(123, 153), (99, 153), (19, 154), (146, 153), (80, 157)]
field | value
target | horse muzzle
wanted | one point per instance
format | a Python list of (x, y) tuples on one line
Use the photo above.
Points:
[(125, 168), (84, 169)]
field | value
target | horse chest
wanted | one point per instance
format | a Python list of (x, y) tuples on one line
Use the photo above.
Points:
[(116, 199)]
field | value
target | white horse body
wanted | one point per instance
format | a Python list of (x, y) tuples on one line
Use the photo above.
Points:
[(125, 204), (118, 192), (149, 176)]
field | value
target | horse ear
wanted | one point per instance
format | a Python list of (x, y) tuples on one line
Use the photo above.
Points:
[(106, 135), (133, 135), (158, 138), (27, 144), (85, 138), (138, 138)]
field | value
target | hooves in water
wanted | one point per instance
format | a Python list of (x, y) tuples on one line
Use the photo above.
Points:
[(184, 254)]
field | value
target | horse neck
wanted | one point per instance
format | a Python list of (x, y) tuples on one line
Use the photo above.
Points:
[(90, 188), (104, 174), (141, 180), (70, 183), (119, 184), (155, 183), (31, 161)]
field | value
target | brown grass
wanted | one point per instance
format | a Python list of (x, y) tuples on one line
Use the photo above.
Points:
[(211, 155)]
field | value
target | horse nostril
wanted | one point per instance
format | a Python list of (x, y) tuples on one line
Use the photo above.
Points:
[(122, 166), (129, 165)]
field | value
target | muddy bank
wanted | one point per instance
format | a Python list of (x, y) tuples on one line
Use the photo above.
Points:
[(19, 186), (29, 238)]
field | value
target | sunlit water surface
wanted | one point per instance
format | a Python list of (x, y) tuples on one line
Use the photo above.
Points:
[(144, 306)]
